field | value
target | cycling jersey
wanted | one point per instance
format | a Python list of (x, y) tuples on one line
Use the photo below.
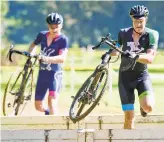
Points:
[(138, 78), (50, 75), (57, 47), (148, 40)]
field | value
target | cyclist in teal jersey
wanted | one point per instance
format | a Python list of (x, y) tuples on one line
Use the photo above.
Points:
[(132, 39), (54, 45)]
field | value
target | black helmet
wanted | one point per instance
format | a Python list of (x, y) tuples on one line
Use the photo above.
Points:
[(54, 18), (139, 11)]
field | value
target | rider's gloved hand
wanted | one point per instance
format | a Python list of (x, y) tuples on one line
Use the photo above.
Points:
[(42, 58), (26, 53)]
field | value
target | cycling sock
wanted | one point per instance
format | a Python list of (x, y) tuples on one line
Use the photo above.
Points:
[(47, 112)]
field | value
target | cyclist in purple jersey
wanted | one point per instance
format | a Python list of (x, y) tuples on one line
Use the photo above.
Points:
[(132, 40), (54, 47)]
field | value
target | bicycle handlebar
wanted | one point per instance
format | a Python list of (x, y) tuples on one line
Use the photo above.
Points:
[(102, 41), (108, 41), (112, 44), (11, 51)]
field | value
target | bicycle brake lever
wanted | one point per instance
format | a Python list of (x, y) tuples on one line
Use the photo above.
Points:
[(97, 46), (11, 47), (10, 54), (108, 36), (102, 40)]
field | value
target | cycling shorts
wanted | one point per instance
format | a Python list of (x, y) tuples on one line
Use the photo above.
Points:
[(128, 82), (48, 80)]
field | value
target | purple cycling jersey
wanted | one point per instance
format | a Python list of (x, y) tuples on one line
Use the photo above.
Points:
[(58, 46)]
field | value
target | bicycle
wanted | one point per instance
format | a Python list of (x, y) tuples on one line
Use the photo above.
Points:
[(93, 88), (18, 90)]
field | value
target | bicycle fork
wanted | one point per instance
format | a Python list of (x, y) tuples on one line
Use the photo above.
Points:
[(98, 85)]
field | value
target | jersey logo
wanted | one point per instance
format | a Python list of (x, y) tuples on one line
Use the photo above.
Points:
[(46, 66), (132, 46)]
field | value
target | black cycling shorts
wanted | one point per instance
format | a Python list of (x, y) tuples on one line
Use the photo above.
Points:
[(128, 82)]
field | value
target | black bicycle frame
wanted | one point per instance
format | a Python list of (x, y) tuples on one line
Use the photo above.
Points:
[(26, 67)]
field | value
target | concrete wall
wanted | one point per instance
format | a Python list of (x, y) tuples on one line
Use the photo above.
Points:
[(104, 128)]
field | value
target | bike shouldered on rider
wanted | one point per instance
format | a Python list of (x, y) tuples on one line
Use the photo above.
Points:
[(131, 40), (54, 47)]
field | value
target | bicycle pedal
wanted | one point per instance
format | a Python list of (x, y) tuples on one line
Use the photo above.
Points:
[(14, 94), (9, 105), (72, 97)]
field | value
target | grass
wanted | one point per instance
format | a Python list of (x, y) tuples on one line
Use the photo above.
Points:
[(110, 103), (79, 65), (82, 59)]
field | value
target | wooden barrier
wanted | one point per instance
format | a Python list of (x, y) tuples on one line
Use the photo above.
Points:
[(90, 122), (84, 135), (104, 128)]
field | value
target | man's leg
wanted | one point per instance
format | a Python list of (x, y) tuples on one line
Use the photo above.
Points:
[(40, 92), (146, 100), (40, 107), (39, 97), (146, 96), (54, 89), (129, 119), (126, 91), (129, 116), (52, 103)]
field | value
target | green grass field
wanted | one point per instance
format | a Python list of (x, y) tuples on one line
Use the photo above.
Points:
[(79, 65), (110, 103)]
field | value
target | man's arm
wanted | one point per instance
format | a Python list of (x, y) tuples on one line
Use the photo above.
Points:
[(114, 53), (31, 48), (56, 59), (147, 58), (118, 44)]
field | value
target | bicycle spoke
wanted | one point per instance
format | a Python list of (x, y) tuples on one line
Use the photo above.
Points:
[(21, 108), (89, 95), (17, 93), (80, 109)]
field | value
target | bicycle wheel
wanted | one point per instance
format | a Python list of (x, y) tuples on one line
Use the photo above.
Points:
[(26, 93), (88, 95), (14, 99)]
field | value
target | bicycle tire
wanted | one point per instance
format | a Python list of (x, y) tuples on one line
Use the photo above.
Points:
[(85, 84), (13, 100), (25, 93)]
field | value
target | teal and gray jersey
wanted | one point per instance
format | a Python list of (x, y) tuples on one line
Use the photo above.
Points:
[(148, 40)]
